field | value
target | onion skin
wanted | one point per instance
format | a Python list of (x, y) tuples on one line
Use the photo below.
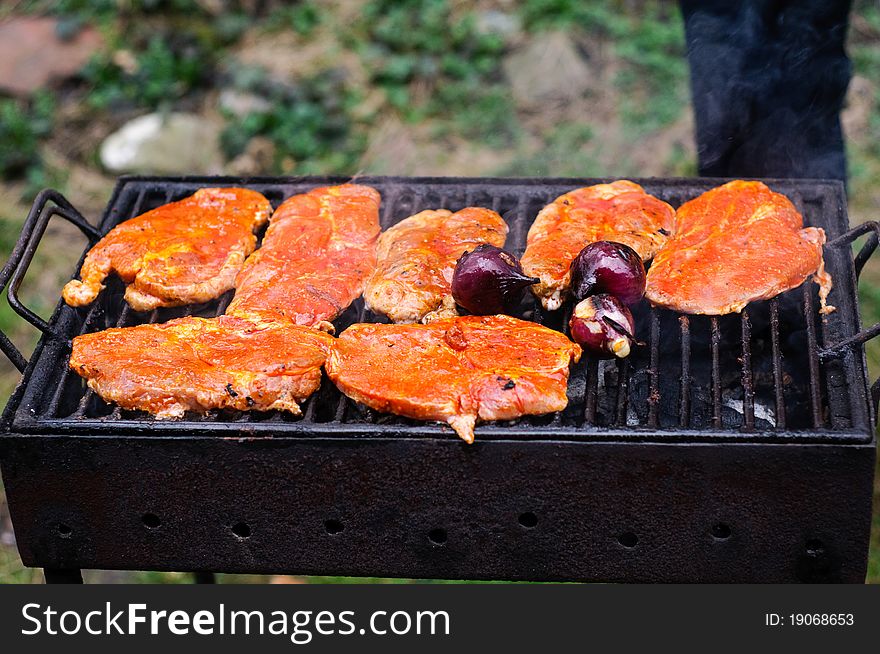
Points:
[(608, 267), (489, 281), (591, 326)]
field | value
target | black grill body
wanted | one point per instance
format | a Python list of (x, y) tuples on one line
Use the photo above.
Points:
[(738, 448)]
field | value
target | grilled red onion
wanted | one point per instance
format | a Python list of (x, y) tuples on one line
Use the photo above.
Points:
[(488, 281), (608, 267), (603, 327)]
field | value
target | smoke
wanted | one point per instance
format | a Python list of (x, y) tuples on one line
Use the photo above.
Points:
[(768, 80)]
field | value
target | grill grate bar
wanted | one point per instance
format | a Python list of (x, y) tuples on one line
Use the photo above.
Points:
[(622, 388), (778, 371), (519, 223), (647, 379), (124, 318), (592, 391), (343, 404), (223, 304), (654, 371), (812, 356), (127, 313), (89, 394), (311, 407), (55, 403), (685, 398), (388, 209), (747, 381), (566, 319), (716, 373)]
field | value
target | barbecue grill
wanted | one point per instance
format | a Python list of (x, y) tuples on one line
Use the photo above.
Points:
[(736, 448)]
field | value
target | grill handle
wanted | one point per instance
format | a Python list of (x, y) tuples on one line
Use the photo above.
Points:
[(47, 204), (872, 229)]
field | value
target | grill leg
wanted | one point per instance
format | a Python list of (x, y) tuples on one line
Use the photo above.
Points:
[(62, 575), (204, 578)]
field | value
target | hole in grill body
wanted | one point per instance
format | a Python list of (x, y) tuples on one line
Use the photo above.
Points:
[(628, 540), (241, 530), (333, 527), (721, 531), (528, 520), (151, 520), (696, 377)]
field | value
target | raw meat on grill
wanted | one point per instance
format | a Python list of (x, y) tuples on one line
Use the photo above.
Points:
[(620, 211), (455, 370), (197, 364), (416, 259), (318, 252), (733, 245), (180, 253)]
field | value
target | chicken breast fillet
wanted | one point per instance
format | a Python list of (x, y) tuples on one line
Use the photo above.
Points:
[(416, 259), (733, 245), (620, 211), (185, 252), (197, 364), (317, 254), (455, 370)]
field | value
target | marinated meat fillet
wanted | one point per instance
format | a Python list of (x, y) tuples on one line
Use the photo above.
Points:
[(416, 259), (620, 211), (455, 369), (317, 251), (197, 364), (733, 245), (180, 253), (315, 257)]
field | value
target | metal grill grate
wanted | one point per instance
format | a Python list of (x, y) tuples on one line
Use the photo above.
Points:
[(757, 374)]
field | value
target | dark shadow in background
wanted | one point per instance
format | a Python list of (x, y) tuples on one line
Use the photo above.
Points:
[(768, 80)]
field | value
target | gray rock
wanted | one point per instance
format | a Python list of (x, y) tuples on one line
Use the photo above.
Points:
[(398, 148), (169, 144), (549, 69), (497, 22), (32, 55), (241, 104), (287, 57), (257, 158), (860, 102)]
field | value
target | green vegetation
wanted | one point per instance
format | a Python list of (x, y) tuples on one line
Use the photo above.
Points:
[(156, 76), (565, 153), (22, 126), (11, 571), (310, 125), (429, 61), (302, 17), (483, 114), (864, 154), (650, 43)]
